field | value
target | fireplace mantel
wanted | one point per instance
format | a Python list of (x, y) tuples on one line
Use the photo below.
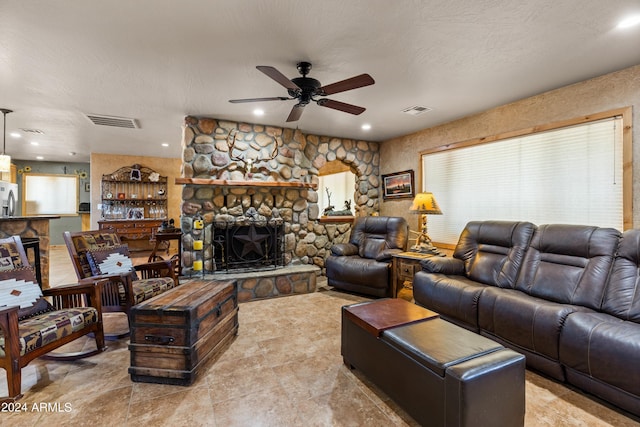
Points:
[(230, 183)]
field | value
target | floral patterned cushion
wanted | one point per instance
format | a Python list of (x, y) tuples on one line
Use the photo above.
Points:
[(148, 288), (40, 330)]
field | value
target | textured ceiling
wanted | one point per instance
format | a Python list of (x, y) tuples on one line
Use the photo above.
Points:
[(159, 60)]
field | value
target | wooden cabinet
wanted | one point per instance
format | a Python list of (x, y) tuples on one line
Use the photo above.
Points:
[(136, 233), (134, 204), (405, 266), (134, 192)]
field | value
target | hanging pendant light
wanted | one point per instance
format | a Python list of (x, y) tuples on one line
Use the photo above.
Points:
[(5, 160)]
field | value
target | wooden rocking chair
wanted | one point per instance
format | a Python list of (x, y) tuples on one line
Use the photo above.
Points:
[(32, 326), (97, 254)]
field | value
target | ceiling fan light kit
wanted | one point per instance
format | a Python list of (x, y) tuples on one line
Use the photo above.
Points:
[(306, 89)]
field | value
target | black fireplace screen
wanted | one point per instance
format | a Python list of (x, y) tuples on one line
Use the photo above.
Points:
[(251, 246)]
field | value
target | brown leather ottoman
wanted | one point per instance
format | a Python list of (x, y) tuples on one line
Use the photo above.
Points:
[(441, 374)]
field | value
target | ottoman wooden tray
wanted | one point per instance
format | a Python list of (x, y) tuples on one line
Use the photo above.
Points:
[(175, 333)]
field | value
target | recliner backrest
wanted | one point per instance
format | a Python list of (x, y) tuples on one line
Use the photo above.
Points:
[(569, 264), (373, 234), (622, 294), (493, 251)]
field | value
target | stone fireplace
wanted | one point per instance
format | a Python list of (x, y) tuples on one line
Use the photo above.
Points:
[(239, 174)]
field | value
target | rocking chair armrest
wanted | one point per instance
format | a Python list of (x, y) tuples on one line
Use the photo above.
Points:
[(66, 295), (155, 265), (83, 287), (6, 310)]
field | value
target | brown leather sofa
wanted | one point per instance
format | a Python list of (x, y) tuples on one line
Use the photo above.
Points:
[(565, 296), (364, 264)]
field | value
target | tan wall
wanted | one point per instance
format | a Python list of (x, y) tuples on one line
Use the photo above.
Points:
[(608, 92), (106, 163)]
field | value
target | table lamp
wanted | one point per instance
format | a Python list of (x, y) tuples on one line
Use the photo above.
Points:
[(425, 204)]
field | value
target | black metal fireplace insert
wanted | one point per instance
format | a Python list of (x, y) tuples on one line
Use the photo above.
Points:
[(248, 246)]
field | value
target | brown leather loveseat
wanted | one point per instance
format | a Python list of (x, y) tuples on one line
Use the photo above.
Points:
[(565, 296), (364, 264)]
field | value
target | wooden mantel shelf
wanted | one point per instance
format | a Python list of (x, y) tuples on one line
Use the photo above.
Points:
[(229, 183)]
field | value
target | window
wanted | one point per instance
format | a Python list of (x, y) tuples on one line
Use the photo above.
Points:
[(571, 174), (50, 194)]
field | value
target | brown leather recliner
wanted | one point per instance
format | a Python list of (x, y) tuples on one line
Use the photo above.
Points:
[(364, 264)]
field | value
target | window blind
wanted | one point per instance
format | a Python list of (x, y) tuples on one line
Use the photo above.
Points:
[(571, 175)]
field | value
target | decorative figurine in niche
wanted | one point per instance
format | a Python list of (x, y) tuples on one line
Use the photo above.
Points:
[(329, 208), (345, 212)]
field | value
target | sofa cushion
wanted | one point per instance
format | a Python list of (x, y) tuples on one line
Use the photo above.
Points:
[(493, 251), (569, 264), (622, 296), (393, 230), (604, 348), (525, 322), (371, 247), (358, 271)]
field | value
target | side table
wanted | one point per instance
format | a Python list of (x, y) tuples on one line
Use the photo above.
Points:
[(404, 266)]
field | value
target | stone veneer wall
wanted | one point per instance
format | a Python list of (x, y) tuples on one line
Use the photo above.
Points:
[(307, 239)]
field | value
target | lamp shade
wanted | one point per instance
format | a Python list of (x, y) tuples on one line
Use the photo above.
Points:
[(425, 203), (5, 163)]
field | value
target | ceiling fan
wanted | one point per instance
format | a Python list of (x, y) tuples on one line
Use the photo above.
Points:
[(305, 89)]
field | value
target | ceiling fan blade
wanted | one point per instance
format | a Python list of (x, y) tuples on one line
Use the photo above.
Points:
[(295, 113), (274, 98), (341, 106), (348, 84), (279, 77)]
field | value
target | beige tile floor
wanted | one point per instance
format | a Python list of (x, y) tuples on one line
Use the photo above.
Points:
[(283, 369)]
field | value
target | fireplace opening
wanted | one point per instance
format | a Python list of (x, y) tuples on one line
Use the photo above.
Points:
[(248, 245)]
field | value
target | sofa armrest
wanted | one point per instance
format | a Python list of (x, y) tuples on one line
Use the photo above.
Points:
[(453, 266), (344, 249), (387, 254)]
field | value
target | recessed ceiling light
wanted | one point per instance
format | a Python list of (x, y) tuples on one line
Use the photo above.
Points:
[(15, 135), (366, 126), (39, 158), (35, 143), (629, 22), (258, 112), (164, 144)]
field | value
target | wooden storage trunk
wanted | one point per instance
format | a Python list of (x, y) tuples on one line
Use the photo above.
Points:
[(173, 334)]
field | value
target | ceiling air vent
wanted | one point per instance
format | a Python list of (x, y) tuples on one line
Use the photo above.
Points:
[(416, 110), (36, 131), (118, 122)]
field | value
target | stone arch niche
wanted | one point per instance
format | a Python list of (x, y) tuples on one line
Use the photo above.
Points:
[(217, 185)]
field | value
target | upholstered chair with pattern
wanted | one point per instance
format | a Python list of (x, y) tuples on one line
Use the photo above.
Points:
[(33, 322), (99, 254)]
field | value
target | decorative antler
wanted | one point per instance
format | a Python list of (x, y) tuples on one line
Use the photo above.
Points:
[(231, 142)]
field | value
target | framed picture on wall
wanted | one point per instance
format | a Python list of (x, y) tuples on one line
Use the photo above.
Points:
[(398, 185)]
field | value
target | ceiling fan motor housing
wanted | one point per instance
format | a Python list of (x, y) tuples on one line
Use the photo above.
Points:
[(309, 86)]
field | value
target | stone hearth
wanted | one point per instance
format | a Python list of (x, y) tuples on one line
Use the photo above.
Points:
[(255, 285)]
